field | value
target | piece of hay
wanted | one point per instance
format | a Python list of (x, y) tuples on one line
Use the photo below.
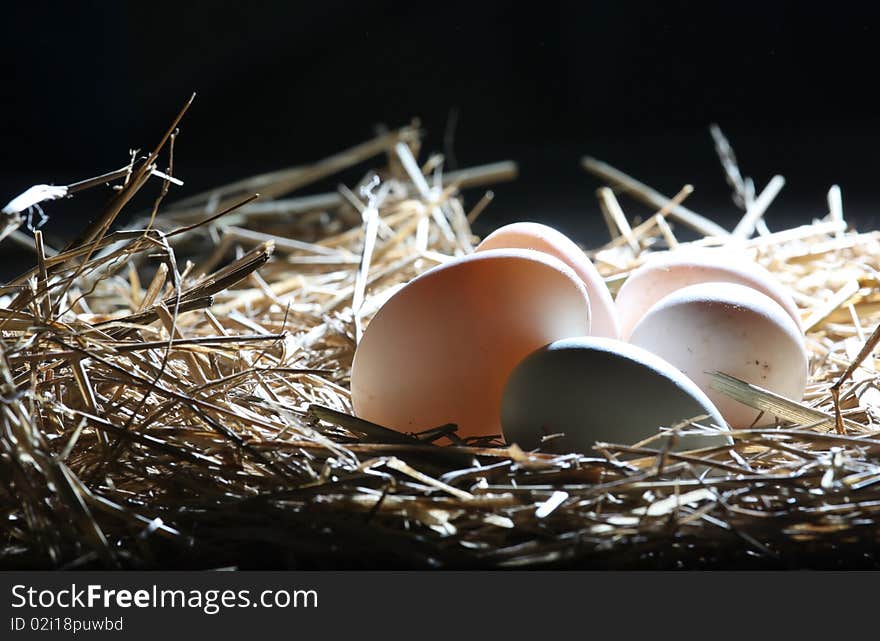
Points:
[(205, 421)]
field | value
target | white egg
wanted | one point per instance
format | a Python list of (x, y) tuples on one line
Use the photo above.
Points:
[(599, 389), (732, 329), (664, 273)]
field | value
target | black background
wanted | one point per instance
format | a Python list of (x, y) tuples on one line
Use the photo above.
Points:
[(793, 84)]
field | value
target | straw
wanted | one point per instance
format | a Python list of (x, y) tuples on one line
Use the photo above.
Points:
[(176, 394)]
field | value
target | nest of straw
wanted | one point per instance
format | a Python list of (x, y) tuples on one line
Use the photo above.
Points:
[(176, 394)]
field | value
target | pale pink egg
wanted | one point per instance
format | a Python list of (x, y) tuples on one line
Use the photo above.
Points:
[(732, 329), (550, 241), (440, 350), (668, 272)]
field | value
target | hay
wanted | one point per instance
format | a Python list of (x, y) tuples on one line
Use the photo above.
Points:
[(159, 411)]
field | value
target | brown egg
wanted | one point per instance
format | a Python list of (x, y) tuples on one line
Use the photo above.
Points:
[(603, 315), (667, 272), (730, 328), (441, 349)]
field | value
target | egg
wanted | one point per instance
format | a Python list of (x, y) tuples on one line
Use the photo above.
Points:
[(599, 389), (668, 272), (441, 348), (550, 241), (728, 328)]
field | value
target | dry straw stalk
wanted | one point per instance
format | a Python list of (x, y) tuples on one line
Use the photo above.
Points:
[(176, 394)]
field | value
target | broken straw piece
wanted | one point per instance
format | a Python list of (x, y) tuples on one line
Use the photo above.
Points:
[(755, 212), (642, 192), (34, 196)]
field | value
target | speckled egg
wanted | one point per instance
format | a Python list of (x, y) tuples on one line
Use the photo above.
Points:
[(668, 272), (732, 329)]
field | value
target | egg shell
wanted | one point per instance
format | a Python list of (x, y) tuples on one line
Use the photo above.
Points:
[(601, 389), (732, 329), (440, 350), (603, 314), (669, 272)]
